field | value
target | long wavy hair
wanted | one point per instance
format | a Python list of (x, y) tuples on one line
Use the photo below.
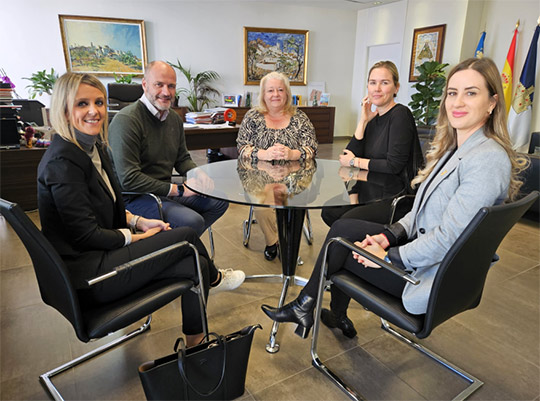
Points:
[(63, 100), (262, 107), (496, 126)]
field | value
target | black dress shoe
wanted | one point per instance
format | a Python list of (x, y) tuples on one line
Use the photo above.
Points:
[(270, 252), (343, 323), (299, 311)]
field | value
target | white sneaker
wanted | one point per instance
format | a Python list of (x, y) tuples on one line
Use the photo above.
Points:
[(230, 280)]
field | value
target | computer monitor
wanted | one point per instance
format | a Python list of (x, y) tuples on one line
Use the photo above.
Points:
[(31, 111)]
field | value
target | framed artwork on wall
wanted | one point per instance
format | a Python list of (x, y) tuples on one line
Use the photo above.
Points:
[(427, 46), (270, 49), (103, 46)]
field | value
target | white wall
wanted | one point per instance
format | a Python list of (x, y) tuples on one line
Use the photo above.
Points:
[(209, 36), (203, 35)]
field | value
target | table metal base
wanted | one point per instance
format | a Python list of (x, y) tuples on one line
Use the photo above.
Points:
[(290, 223)]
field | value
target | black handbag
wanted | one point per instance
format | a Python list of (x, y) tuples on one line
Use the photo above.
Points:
[(213, 370)]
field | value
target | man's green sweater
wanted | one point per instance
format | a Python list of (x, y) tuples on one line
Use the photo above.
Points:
[(145, 150)]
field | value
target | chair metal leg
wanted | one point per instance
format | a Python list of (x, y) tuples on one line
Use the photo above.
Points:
[(211, 238), (247, 226), (308, 229), (475, 383), (46, 377)]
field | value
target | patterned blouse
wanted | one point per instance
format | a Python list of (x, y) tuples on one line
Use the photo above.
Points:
[(254, 135)]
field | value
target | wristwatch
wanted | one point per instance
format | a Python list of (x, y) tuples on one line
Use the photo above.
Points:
[(351, 162)]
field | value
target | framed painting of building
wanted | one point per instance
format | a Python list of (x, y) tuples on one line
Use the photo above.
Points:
[(270, 49), (103, 46), (427, 46)]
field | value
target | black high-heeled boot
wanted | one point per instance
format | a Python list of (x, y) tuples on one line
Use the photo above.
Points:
[(299, 311)]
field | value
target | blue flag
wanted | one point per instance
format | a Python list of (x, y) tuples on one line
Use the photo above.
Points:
[(519, 118), (479, 53)]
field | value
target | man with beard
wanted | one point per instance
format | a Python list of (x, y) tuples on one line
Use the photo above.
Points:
[(147, 141)]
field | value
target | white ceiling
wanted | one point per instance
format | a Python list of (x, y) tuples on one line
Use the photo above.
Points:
[(339, 4)]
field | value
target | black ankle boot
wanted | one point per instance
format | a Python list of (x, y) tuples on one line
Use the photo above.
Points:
[(342, 322), (299, 311)]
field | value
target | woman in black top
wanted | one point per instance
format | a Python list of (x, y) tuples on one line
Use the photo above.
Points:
[(385, 140)]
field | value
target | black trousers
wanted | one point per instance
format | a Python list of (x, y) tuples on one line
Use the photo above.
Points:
[(340, 257), (179, 263)]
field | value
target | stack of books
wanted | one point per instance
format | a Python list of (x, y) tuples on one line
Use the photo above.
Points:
[(6, 93)]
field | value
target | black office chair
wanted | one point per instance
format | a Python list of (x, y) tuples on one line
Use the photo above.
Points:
[(93, 322), (121, 95), (457, 287)]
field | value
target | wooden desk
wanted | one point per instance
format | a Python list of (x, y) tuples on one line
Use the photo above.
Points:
[(18, 175), (197, 138)]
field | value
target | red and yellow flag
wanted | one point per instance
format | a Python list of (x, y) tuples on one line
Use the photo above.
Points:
[(508, 70)]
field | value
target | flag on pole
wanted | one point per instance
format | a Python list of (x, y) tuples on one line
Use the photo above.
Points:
[(479, 53), (508, 69), (519, 119)]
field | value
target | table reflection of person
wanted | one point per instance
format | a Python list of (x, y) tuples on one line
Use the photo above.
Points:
[(272, 183), (470, 165), (370, 195), (275, 130)]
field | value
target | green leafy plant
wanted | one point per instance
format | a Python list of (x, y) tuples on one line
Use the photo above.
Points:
[(430, 84), (200, 92), (124, 79), (42, 82)]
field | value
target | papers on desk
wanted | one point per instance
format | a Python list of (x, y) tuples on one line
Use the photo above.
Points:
[(207, 126)]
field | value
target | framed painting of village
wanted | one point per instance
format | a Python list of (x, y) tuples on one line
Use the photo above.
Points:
[(103, 46), (427, 46), (270, 49)]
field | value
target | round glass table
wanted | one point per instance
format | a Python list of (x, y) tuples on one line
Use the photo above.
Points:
[(290, 188)]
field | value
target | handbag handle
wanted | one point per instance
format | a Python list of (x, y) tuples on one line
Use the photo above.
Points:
[(182, 356)]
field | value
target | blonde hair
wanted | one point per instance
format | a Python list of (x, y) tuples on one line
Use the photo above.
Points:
[(494, 128), (391, 67), (262, 107), (63, 100)]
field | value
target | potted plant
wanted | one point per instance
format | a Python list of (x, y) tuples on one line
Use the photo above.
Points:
[(42, 82), (124, 79), (200, 92), (430, 84)]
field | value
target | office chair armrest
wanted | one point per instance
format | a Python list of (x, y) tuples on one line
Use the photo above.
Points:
[(388, 266), (153, 196), (135, 262)]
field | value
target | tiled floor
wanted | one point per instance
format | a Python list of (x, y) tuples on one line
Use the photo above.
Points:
[(498, 341)]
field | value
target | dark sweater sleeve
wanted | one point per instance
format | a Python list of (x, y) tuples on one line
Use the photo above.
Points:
[(126, 141), (401, 131)]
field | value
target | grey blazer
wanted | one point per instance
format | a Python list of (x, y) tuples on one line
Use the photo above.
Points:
[(475, 176)]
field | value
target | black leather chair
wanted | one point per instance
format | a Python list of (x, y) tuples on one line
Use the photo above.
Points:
[(121, 95), (93, 322), (457, 287)]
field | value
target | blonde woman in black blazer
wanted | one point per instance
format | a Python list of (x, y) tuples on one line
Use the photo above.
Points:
[(83, 215)]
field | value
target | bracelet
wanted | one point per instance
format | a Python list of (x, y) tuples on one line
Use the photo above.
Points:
[(133, 222)]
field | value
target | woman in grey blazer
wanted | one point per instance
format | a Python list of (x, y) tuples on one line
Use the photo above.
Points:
[(470, 165)]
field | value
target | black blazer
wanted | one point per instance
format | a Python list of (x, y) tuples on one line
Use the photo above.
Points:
[(77, 211)]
